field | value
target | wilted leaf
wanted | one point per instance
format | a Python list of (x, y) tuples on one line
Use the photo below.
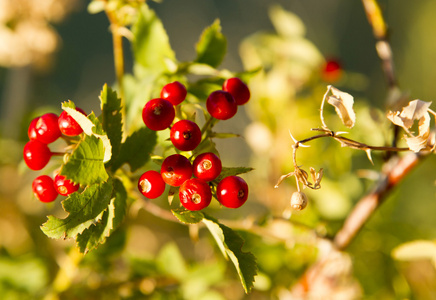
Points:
[(343, 103), (414, 111)]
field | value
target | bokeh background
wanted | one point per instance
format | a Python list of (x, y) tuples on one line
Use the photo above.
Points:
[(68, 55)]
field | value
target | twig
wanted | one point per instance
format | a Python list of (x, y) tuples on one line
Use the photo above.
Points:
[(397, 169)]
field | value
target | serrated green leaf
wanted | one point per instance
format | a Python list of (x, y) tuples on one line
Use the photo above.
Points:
[(91, 126), (91, 237), (111, 118), (230, 244), (233, 171), (136, 149), (85, 164), (84, 210), (212, 46), (151, 46), (187, 216)]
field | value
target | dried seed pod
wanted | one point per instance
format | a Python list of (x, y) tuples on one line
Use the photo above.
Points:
[(298, 201)]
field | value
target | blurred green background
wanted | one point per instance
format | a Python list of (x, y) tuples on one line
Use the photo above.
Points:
[(150, 258)]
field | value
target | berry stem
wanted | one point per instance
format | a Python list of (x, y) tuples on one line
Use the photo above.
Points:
[(58, 153)]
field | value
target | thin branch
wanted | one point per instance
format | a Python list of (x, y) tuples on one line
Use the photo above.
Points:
[(397, 169)]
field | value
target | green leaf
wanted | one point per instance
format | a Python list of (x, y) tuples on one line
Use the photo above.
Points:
[(85, 164), (111, 118), (91, 237), (84, 210), (233, 171), (212, 46), (187, 216), (151, 46), (136, 150), (91, 126), (170, 261), (230, 244)]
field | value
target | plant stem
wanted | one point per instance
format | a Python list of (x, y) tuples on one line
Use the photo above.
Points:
[(397, 169), (117, 43)]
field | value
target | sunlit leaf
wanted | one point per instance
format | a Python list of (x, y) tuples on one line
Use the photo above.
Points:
[(212, 46), (187, 216), (91, 126), (86, 163), (226, 171), (111, 118), (230, 244), (111, 219), (84, 210), (151, 46), (415, 110), (420, 249)]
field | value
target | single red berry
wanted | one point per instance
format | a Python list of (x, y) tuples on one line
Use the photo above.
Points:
[(238, 89), (36, 154), (195, 194), (158, 114), (151, 184), (43, 189), (185, 135), (31, 131), (232, 191), (69, 126), (221, 105), (64, 186), (47, 128), (332, 70), (207, 166), (176, 169), (175, 92)]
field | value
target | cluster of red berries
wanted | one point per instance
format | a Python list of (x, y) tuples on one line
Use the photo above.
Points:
[(195, 193), (43, 131)]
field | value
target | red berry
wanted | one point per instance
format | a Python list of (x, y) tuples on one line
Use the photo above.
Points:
[(175, 92), (221, 105), (36, 154), (238, 89), (69, 126), (232, 191), (158, 114), (43, 189), (207, 166), (151, 184), (31, 132), (47, 129), (176, 169), (185, 135), (332, 70), (195, 194), (64, 186)]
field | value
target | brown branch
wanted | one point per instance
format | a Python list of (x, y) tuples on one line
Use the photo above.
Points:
[(384, 50), (396, 170)]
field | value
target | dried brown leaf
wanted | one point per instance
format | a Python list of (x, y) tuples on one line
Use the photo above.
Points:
[(343, 104), (416, 110), (420, 141)]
